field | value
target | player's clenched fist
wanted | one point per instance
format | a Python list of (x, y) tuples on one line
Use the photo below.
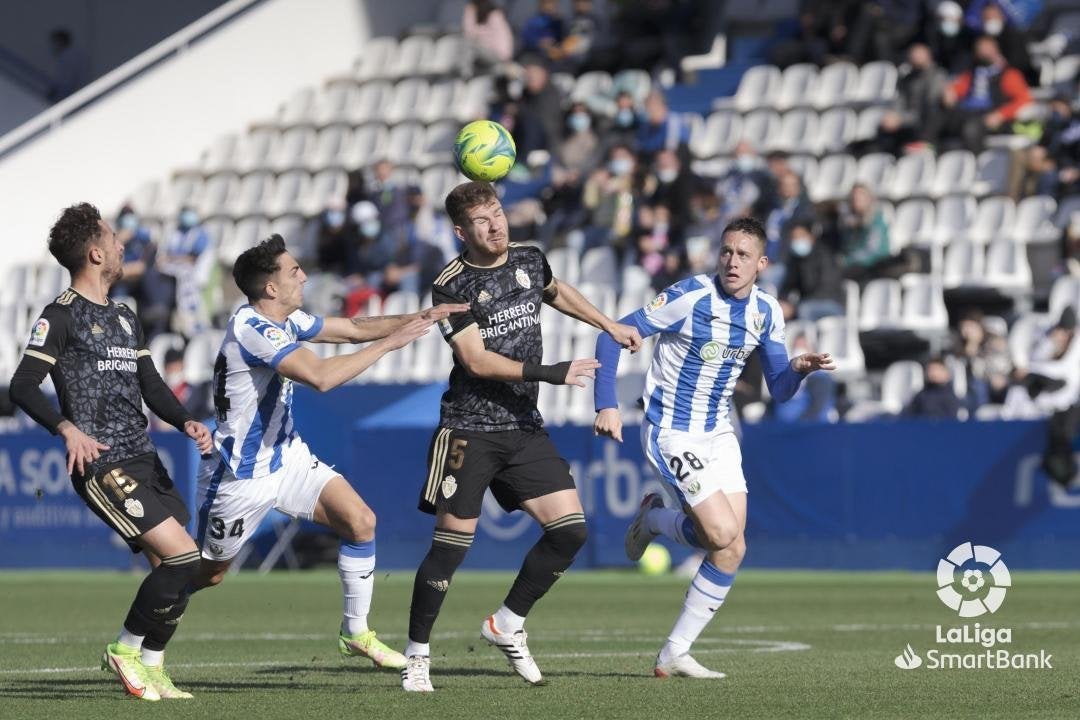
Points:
[(608, 423), (626, 335)]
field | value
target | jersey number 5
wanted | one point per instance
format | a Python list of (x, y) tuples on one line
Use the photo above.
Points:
[(676, 462)]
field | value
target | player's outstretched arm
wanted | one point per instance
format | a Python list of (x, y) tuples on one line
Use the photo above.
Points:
[(480, 362), (324, 374), (567, 300), (365, 329)]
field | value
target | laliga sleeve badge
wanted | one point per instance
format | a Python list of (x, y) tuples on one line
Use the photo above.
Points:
[(276, 336), (656, 303), (39, 333)]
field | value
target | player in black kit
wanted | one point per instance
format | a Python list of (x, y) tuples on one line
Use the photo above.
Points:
[(490, 432), (95, 352)]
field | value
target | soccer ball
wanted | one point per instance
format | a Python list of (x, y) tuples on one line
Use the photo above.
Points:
[(484, 151), (656, 560)]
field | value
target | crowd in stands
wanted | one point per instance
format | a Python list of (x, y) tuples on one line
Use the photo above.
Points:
[(621, 175)]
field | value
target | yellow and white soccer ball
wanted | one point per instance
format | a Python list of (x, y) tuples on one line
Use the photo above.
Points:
[(484, 151), (656, 560)]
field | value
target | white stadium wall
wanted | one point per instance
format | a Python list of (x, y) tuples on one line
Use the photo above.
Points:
[(164, 118)]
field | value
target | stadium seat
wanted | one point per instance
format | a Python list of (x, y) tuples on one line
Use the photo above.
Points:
[(375, 58), (369, 103), (288, 189), (220, 156), (1025, 330), (869, 123), (913, 176), (954, 173), (1067, 208), (333, 104), (200, 355), (474, 102), (412, 55), (441, 101), (759, 128), (437, 146), (1065, 292), (718, 136), (251, 194), (409, 95), (253, 152), (881, 305), (216, 193), (565, 264), (599, 266), (992, 172), (368, 145), (160, 345), (964, 264), (836, 130), (1034, 220), (875, 171), (913, 223), (636, 82), (324, 185), (993, 219), (836, 85), (246, 233), (923, 307), (431, 359), (635, 279), (329, 148), (290, 227), (292, 149), (900, 382), (438, 180), (797, 85), (805, 166), (839, 336), (757, 88), (596, 89), (834, 178), (403, 143), (876, 84), (299, 109), (1007, 267), (798, 133), (795, 328), (953, 215), (445, 57), (51, 279)]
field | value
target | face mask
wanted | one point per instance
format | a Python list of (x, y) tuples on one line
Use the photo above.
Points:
[(174, 378), (801, 246), (983, 62), (188, 219), (579, 122), (745, 163), (619, 166), (335, 218), (370, 228), (667, 175), (128, 221), (950, 28), (993, 27), (624, 118)]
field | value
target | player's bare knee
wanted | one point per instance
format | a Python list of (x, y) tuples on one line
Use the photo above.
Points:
[(361, 525), (736, 551), (720, 537)]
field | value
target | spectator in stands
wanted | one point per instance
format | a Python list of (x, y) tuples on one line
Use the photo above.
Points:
[(194, 398), (335, 238), (578, 151), (671, 184), (610, 196), (489, 40), (813, 282), (864, 234), (189, 259), (985, 357), (394, 201), (949, 41), (1061, 138), (141, 279), (983, 100), (624, 124), (588, 30), (1017, 13), (1070, 241), (793, 208), (822, 30), (1035, 174), (1011, 40), (72, 65), (936, 399), (706, 220), (662, 129), (544, 32), (654, 238), (917, 105), (815, 400), (539, 120), (743, 185), (881, 29)]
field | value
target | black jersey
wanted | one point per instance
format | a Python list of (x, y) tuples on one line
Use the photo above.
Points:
[(505, 306), (93, 351)]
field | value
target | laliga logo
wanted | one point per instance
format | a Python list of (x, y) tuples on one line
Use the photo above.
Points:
[(972, 580)]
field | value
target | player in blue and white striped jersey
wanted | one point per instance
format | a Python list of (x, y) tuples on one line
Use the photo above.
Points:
[(260, 462), (708, 327)]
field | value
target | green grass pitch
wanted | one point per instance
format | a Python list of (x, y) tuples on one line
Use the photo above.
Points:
[(794, 644)]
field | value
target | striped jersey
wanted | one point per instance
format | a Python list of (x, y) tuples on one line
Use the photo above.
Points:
[(252, 401), (705, 338)]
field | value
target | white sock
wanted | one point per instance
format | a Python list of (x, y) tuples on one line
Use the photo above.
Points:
[(356, 567), (673, 524), (415, 648), (704, 597), (507, 621), (126, 637), (153, 658)]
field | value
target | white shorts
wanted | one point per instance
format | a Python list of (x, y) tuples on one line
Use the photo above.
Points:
[(231, 508), (694, 464)]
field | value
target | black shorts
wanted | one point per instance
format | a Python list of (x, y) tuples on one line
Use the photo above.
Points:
[(518, 465), (132, 496)]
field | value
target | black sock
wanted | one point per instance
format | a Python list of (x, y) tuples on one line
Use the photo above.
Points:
[(546, 562), (448, 549), (161, 600)]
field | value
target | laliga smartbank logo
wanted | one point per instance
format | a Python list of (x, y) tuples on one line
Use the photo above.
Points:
[(972, 581)]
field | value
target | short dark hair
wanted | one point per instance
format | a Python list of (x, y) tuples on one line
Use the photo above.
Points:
[(749, 226), (467, 196), (73, 232), (174, 355), (255, 266)]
